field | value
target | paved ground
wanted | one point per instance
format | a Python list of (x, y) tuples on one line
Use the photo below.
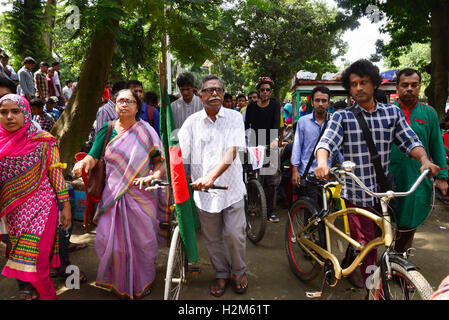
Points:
[(268, 271)]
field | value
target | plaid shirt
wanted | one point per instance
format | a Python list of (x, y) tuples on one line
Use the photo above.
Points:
[(41, 84), (387, 124), (45, 121)]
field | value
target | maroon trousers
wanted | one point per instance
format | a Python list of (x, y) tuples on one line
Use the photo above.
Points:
[(363, 230)]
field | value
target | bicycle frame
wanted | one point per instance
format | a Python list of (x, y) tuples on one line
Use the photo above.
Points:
[(383, 222), (326, 254)]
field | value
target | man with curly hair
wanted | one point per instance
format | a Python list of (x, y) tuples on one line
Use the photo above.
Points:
[(388, 125)]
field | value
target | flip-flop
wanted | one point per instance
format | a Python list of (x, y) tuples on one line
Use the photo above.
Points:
[(76, 246), (238, 282), (221, 288), (29, 293)]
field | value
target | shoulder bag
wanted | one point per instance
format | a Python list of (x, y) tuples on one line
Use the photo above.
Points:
[(97, 176)]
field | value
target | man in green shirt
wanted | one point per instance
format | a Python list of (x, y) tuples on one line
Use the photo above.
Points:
[(423, 119)]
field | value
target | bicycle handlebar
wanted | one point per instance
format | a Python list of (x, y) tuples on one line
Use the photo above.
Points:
[(157, 184), (392, 194)]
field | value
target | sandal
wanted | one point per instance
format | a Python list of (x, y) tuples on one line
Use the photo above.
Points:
[(76, 246), (29, 293), (221, 288), (238, 283)]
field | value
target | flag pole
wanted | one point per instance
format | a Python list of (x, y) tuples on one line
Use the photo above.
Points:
[(163, 85)]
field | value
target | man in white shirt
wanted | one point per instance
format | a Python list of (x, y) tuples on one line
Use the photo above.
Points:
[(209, 141), (189, 103), (67, 90), (57, 84)]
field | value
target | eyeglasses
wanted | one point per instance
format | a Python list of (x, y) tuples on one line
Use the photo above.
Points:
[(211, 90), (126, 101), (265, 89)]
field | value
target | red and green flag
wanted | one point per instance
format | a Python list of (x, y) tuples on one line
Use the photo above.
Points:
[(185, 207)]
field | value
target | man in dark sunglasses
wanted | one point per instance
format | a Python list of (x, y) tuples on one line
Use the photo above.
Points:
[(263, 119)]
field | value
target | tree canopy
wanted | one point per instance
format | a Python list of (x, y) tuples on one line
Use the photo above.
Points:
[(277, 39), (409, 22), (121, 40)]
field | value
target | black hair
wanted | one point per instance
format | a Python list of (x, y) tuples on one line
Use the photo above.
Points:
[(37, 102), (185, 79), (55, 63), (241, 95), (134, 83), (138, 102), (151, 98), (362, 68), (227, 96), (252, 93), (380, 96), (407, 72), (119, 85), (321, 89), (341, 104), (4, 56), (68, 81), (44, 64), (8, 84), (29, 60)]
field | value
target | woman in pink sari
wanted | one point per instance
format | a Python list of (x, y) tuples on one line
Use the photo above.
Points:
[(128, 217), (30, 188)]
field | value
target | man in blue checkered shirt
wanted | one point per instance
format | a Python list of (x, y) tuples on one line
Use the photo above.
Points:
[(388, 125)]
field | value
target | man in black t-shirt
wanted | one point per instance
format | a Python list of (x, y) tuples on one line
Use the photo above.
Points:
[(263, 120)]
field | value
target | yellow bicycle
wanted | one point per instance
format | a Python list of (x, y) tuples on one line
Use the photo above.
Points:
[(308, 244)]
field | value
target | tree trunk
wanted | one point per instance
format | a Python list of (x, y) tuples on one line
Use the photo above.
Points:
[(437, 92), (50, 19), (73, 127)]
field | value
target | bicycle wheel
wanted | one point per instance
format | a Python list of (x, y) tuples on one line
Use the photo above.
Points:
[(255, 211), (175, 277), (301, 263), (403, 285)]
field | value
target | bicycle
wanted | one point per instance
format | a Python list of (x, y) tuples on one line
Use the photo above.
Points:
[(177, 264), (308, 244), (255, 201)]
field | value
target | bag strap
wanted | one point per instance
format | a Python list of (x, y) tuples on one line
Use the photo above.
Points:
[(111, 124), (312, 156), (375, 157)]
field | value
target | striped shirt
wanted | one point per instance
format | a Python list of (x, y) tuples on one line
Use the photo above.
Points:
[(104, 114), (45, 121), (387, 124), (182, 110), (41, 84)]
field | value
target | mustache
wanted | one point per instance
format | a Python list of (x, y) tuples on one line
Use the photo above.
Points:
[(213, 98)]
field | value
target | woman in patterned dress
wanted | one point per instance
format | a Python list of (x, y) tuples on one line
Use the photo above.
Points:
[(30, 189), (128, 234)]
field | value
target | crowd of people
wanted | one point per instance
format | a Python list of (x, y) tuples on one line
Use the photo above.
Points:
[(213, 126)]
